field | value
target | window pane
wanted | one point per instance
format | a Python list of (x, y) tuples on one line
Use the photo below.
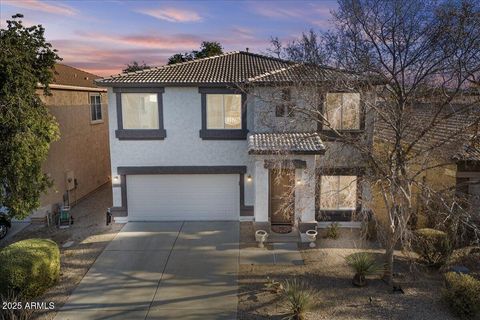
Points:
[(92, 112), (98, 112), (215, 118), (233, 111), (333, 110), (347, 193), (328, 192), (351, 111), (280, 111), (338, 193), (140, 111)]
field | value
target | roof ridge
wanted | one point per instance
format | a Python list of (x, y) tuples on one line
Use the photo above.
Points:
[(69, 66), (267, 57), (165, 66), (269, 73)]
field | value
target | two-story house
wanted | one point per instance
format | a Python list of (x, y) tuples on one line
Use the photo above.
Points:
[(206, 139)]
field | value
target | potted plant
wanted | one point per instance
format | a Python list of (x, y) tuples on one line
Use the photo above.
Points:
[(363, 264)]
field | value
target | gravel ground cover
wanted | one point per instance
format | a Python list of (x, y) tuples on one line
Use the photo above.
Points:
[(325, 271)]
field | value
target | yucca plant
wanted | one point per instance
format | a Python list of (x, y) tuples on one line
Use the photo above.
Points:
[(300, 298), (364, 264)]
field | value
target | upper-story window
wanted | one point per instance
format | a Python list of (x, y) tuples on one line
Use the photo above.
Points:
[(140, 114), (95, 107), (224, 114), (338, 193), (342, 110), (285, 109), (224, 111), (140, 111)]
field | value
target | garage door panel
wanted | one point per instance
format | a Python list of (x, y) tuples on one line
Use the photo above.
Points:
[(183, 197)]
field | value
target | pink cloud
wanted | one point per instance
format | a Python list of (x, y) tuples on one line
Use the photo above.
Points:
[(175, 41), (172, 14), (316, 14), (43, 6)]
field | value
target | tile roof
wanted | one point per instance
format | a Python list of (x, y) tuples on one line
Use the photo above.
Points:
[(288, 143), (70, 76), (451, 136), (228, 68)]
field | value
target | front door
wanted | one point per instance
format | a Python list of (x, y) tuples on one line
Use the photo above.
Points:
[(282, 196)]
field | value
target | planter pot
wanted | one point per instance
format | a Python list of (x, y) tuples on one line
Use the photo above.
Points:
[(359, 280), (312, 236), (261, 236)]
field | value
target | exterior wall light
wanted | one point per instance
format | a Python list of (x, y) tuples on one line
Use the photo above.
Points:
[(116, 179), (249, 178)]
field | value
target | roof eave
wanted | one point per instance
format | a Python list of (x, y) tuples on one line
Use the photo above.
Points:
[(284, 152)]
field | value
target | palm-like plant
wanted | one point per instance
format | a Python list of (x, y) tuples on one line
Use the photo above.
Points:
[(300, 298), (364, 264)]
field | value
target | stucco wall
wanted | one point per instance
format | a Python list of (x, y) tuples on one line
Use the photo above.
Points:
[(83, 147), (266, 99), (183, 145)]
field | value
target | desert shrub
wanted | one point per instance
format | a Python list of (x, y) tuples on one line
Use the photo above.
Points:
[(462, 295), (14, 311), (29, 267), (299, 296), (433, 246), (363, 264), (332, 231)]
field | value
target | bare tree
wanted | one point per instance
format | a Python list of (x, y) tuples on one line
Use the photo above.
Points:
[(413, 62)]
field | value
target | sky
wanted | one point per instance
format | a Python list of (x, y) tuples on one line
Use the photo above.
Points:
[(103, 36)]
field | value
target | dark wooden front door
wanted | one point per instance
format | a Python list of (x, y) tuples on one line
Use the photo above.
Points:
[(282, 196)]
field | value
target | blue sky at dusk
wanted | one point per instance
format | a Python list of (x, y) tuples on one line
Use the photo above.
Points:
[(103, 36)]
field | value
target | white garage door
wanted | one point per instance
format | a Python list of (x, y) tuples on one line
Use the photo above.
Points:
[(183, 197)]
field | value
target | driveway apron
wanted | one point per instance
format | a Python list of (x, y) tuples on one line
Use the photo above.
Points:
[(162, 270)]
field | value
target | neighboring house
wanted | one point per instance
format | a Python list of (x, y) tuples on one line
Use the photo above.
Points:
[(450, 149), (201, 140), (79, 162)]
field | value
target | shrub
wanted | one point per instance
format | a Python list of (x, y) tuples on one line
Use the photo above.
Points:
[(363, 264), (12, 313), (29, 267), (332, 231), (462, 295), (432, 246), (300, 298)]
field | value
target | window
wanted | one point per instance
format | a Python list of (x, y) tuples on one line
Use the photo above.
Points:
[(224, 111), (338, 193), (286, 108), (342, 111), (95, 107), (140, 111)]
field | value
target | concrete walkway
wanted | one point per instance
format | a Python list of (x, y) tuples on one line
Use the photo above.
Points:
[(162, 270)]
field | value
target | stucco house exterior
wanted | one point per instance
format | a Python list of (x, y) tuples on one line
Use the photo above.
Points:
[(219, 139), (79, 162)]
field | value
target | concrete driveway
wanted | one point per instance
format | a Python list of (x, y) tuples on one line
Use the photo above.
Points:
[(162, 270)]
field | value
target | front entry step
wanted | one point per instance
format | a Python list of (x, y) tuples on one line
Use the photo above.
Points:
[(293, 236)]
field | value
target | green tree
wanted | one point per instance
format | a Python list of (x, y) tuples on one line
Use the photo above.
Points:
[(26, 126), (135, 66), (207, 49)]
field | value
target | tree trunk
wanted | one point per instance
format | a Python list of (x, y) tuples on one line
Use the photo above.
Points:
[(388, 275)]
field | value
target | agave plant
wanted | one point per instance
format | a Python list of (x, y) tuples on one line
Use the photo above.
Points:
[(364, 264), (300, 298)]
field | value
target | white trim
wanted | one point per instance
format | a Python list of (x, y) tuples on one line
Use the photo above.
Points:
[(78, 88), (246, 218), (120, 219)]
